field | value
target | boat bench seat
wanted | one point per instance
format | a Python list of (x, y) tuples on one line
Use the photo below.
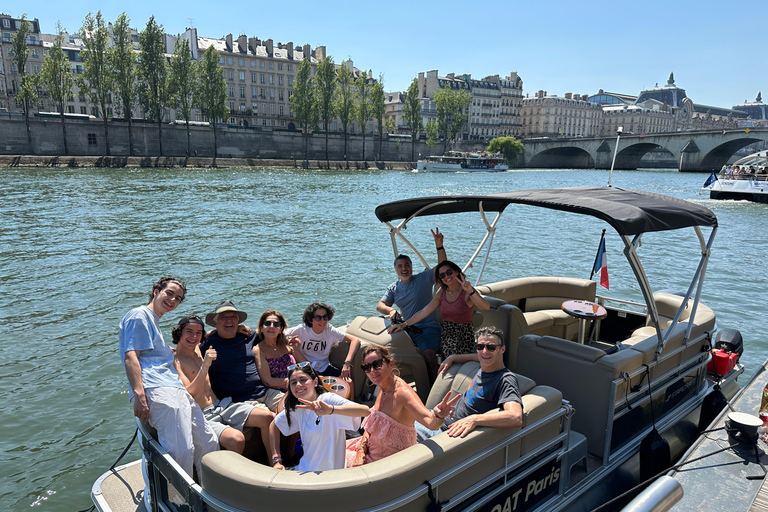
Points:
[(584, 374), (645, 340), (540, 299), (235, 480)]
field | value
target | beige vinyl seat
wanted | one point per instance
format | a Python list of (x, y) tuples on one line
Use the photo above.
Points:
[(540, 299)]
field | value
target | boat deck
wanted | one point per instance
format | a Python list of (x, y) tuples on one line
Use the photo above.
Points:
[(720, 482), (121, 490)]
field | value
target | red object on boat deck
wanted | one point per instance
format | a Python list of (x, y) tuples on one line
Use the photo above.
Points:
[(723, 362)]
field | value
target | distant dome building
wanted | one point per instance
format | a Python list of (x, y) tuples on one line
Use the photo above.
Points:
[(755, 109), (669, 93)]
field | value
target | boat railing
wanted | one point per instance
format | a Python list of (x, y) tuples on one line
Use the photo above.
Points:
[(640, 398), (163, 471)]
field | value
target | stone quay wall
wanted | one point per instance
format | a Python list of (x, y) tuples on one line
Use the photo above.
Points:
[(86, 138)]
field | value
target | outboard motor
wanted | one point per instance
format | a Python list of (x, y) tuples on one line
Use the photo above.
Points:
[(729, 340)]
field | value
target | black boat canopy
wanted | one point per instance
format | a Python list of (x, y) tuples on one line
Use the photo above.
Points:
[(630, 212)]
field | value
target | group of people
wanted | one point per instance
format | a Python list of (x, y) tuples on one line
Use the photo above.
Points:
[(743, 171), (202, 395)]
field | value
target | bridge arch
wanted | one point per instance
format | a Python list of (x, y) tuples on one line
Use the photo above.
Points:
[(719, 155), (629, 157), (568, 157)]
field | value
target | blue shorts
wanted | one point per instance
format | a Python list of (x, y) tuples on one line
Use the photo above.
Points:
[(429, 339)]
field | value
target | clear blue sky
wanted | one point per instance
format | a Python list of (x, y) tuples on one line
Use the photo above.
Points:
[(716, 49)]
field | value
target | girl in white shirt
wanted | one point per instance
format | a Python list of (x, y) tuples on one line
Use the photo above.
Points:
[(320, 417)]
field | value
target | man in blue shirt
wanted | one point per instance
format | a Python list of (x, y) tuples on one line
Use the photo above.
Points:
[(411, 293), (158, 395)]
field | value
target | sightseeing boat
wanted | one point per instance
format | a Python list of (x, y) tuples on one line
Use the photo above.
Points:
[(744, 186), (457, 161), (599, 380)]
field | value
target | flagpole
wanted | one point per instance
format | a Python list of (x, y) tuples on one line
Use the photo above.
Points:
[(597, 255)]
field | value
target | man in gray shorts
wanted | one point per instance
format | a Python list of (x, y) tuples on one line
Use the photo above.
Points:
[(225, 417)]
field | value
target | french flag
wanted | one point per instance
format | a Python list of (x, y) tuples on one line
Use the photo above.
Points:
[(601, 264)]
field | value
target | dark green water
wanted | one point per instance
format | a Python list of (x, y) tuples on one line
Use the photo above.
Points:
[(79, 248)]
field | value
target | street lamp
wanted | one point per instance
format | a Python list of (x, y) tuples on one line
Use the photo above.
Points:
[(615, 150)]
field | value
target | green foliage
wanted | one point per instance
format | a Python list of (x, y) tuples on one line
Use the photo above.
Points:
[(412, 114), (389, 124), (431, 130), (182, 79), (123, 62), (378, 109), (97, 77), (451, 108), (510, 147), (211, 95), (303, 100), (153, 71), (56, 78), (325, 85), (345, 104), (362, 100), (27, 91)]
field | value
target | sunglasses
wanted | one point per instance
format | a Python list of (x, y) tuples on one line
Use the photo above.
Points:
[(447, 273), (376, 365), (320, 317), (302, 364), (490, 347), (270, 323)]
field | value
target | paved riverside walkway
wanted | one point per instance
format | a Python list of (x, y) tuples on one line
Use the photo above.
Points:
[(194, 162)]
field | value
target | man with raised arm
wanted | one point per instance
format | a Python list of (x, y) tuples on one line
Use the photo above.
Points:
[(411, 293), (158, 394), (493, 398), (225, 417)]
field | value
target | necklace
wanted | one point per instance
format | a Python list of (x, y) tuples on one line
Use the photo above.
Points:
[(390, 390)]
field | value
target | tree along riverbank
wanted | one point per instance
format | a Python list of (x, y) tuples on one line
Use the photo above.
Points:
[(192, 162)]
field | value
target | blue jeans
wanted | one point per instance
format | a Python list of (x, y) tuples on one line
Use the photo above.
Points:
[(428, 339)]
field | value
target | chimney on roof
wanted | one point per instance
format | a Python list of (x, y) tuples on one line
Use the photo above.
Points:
[(306, 51), (568, 95), (577, 97), (241, 43), (228, 41), (270, 47), (252, 44), (280, 45), (319, 52), (289, 47)]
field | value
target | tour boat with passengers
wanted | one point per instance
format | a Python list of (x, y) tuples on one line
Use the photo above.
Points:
[(638, 379), (459, 161), (749, 182)]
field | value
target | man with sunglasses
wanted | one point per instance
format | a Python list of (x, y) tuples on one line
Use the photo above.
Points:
[(493, 398), (411, 293), (158, 396), (233, 373)]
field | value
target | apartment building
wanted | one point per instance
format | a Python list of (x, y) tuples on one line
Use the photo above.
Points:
[(547, 115), (10, 80)]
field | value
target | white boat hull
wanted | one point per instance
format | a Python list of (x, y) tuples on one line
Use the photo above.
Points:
[(753, 189)]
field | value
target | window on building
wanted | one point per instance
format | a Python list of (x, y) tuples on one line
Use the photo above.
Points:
[(232, 120), (240, 62), (7, 37), (71, 109), (231, 74), (33, 52), (261, 64), (271, 65), (272, 95), (91, 139), (242, 91), (290, 67), (84, 110), (253, 78), (242, 76), (229, 61), (290, 81), (6, 23), (231, 90), (261, 78), (280, 94), (254, 92), (253, 63), (281, 111), (221, 60), (271, 79), (280, 80)]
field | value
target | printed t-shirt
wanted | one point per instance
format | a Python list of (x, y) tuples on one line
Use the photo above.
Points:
[(316, 347)]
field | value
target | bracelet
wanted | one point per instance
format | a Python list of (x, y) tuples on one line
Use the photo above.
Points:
[(333, 408), (473, 292), (441, 248), (348, 363), (276, 459), (202, 369), (441, 418)]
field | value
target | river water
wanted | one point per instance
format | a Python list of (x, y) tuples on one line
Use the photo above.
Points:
[(80, 247)]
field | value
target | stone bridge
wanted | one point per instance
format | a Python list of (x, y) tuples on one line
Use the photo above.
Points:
[(695, 151)]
